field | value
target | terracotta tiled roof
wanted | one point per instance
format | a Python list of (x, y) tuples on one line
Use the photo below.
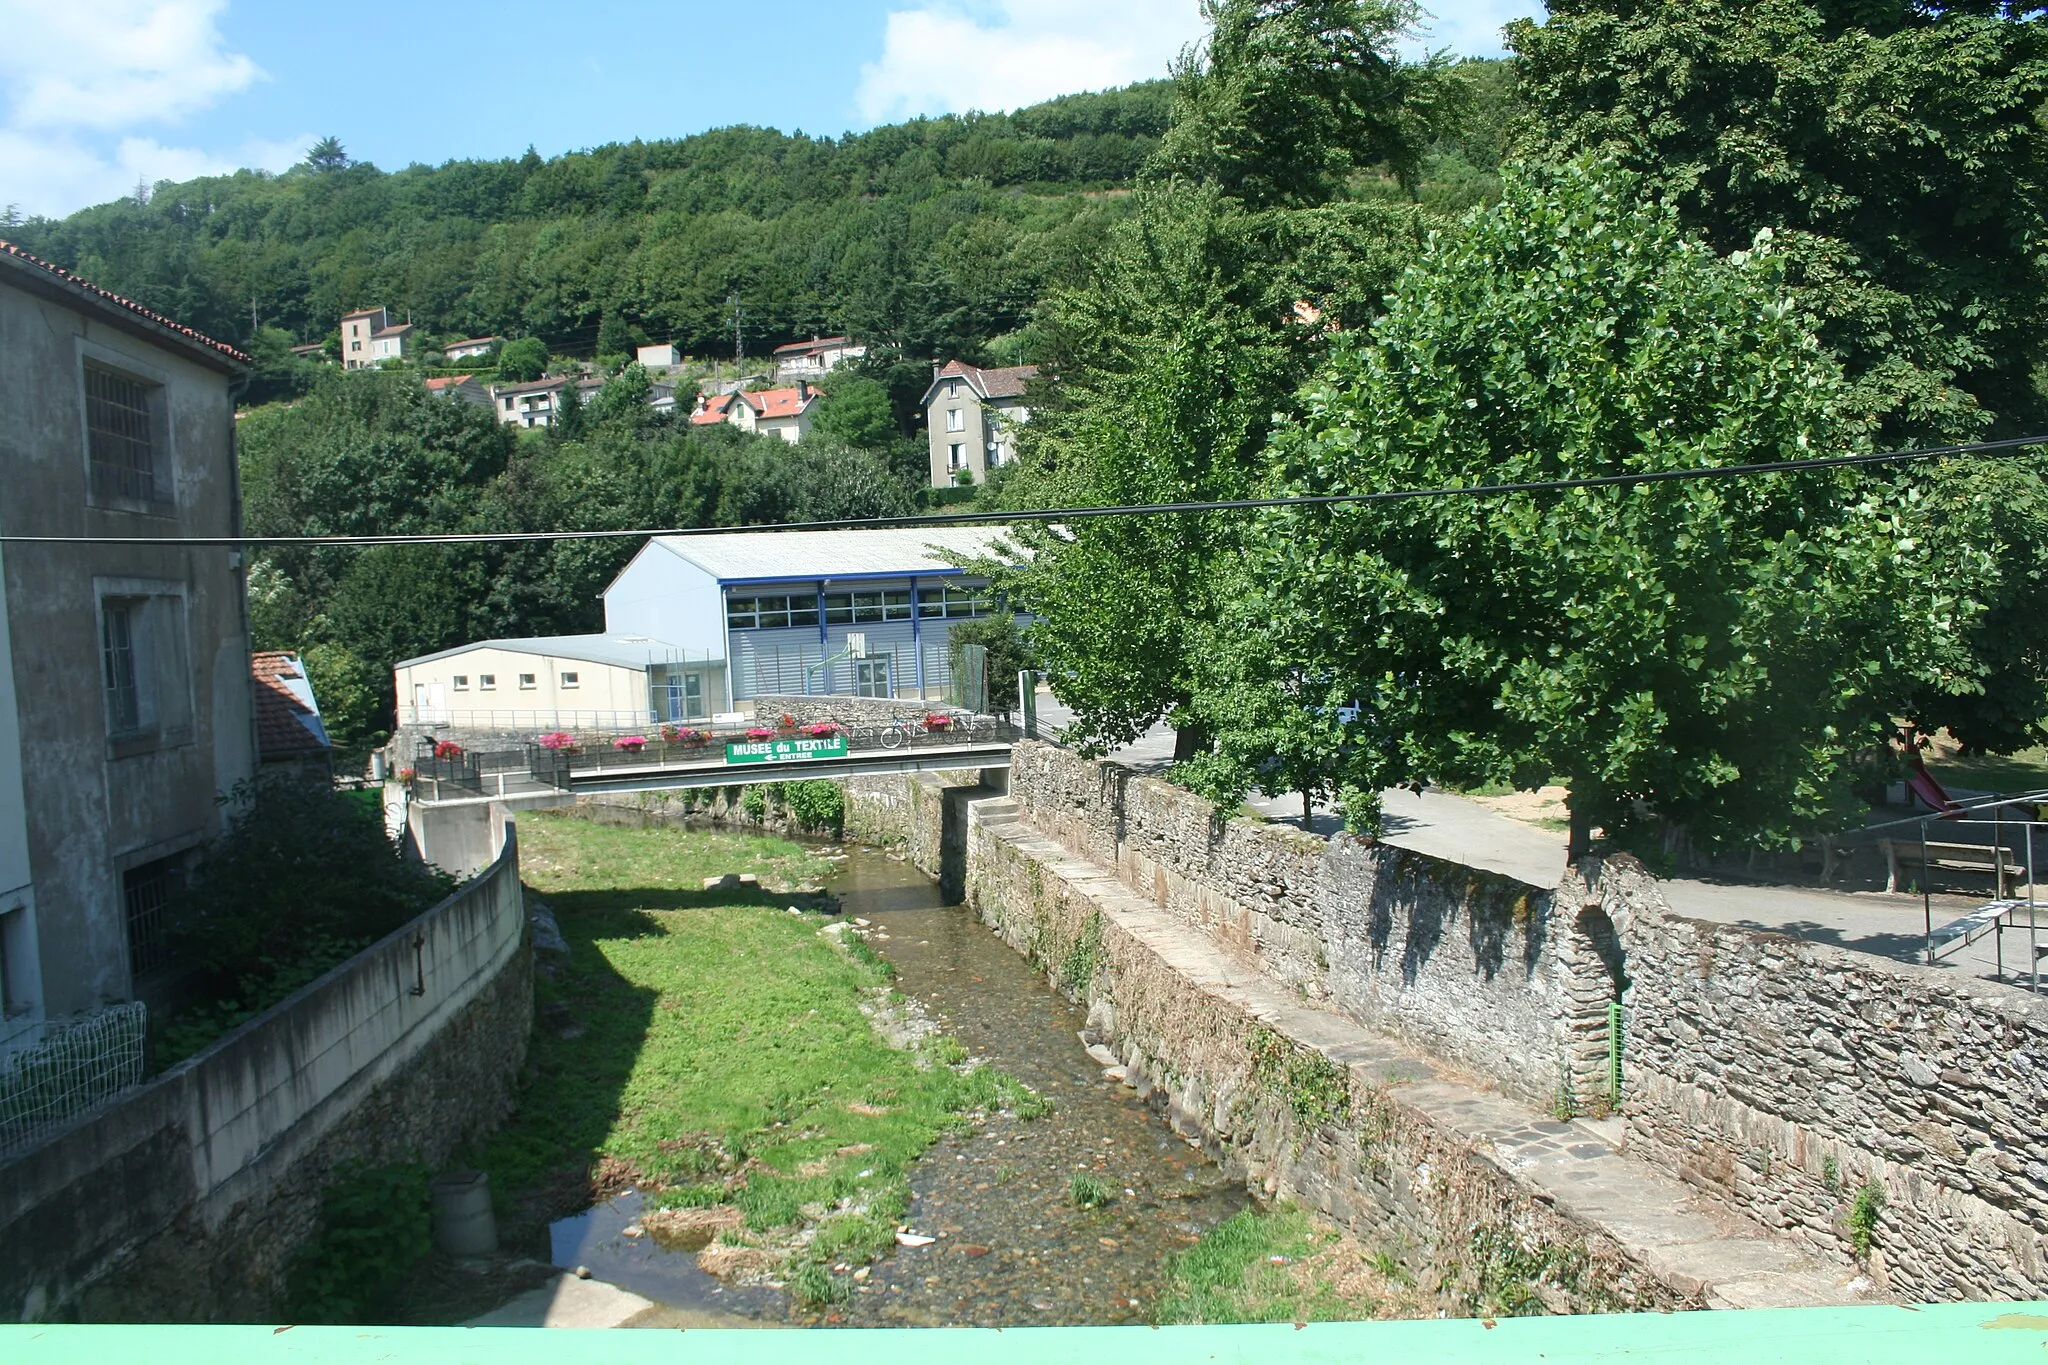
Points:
[(1006, 382), (475, 341), (714, 410), (287, 717), (436, 385), (9, 251), (768, 403)]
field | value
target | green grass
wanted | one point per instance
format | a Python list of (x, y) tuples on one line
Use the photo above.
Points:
[(1087, 1192), (2026, 771), (722, 1055), (1229, 1276)]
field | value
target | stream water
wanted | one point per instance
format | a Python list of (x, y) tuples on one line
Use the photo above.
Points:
[(1011, 1248)]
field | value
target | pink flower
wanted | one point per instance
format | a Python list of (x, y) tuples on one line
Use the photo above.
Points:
[(823, 729), (556, 739), (760, 732), (630, 744)]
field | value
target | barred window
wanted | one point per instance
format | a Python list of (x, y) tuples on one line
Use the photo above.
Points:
[(118, 431), (118, 622), (146, 891)]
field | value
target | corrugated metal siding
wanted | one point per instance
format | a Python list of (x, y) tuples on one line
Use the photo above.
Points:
[(771, 661)]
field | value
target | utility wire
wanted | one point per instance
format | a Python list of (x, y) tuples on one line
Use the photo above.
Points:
[(1065, 514)]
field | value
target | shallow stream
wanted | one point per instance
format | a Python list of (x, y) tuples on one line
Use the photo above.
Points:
[(1011, 1247)]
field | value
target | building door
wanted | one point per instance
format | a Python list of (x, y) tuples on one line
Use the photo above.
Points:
[(871, 678), (685, 696), (675, 697), (429, 704)]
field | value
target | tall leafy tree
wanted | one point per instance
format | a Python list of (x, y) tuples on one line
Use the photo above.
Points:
[(1700, 655), (1896, 148), (1210, 306)]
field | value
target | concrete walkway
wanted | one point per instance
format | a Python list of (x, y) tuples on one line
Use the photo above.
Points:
[(1576, 1166)]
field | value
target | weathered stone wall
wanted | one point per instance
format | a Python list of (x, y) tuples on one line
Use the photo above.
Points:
[(185, 1200), (1464, 962), (846, 710), (1300, 1124), (1816, 1089)]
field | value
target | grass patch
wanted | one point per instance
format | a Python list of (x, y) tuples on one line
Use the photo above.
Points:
[(2025, 771), (1231, 1274), (709, 1047), (1087, 1192)]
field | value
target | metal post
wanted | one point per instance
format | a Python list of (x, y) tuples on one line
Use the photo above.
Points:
[(1614, 1054), (1926, 899), (2033, 927), (1027, 702)]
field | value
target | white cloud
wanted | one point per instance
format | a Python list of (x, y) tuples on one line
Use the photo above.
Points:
[(84, 84), (940, 58)]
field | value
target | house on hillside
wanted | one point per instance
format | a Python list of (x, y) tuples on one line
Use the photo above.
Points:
[(810, 359), (529, 403), (972, 415), (665, 357), (370, 336), (462, 350), (696, 625), (125, 692), (765, 412), (313, 350), (289, 734), (462, 386)]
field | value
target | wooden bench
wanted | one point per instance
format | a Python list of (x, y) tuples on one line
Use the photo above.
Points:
[(1986, 860)]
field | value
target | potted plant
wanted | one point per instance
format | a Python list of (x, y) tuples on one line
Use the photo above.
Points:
[(824, 729), (556, 739), (670, 733), (630, 744), (447, 748), (785, 722), (759, 732), (935, 721)]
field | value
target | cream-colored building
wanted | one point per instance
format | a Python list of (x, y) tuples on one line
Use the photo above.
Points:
[(972, 416), (810, 359), (462, 350), (558, 681), (370, 336), (664, 357)]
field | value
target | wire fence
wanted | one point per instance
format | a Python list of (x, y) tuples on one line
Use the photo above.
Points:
[(55, 1069)]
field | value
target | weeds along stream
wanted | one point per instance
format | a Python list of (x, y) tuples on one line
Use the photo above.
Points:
[(716, 1117)]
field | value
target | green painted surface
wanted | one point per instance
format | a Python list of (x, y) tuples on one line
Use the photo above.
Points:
[(1989, 1333), (785, 750)]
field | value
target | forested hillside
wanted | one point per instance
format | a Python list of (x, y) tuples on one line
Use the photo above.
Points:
[(936, 236)]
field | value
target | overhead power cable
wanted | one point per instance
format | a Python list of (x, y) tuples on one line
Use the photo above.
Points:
[(1067, 514)]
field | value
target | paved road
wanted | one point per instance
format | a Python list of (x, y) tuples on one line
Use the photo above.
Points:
[(1462, 831)]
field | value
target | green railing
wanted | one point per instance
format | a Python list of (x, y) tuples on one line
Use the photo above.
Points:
[(1979, 1333)]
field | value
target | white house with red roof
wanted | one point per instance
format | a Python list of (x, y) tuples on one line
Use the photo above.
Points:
[(461, 386), (972, 415), (369, 336), (764, 412), (462, 350)]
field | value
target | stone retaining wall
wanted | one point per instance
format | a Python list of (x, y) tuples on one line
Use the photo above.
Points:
[(1817, 1089), (185, 1200), (1466, 963), (1292, 1121)]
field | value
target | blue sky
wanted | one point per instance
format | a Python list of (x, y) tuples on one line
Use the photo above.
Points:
[(98, 95)]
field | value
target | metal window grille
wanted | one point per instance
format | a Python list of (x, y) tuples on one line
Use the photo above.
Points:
[(117, 424), (147, 892), (53, 1069), (117, 653)]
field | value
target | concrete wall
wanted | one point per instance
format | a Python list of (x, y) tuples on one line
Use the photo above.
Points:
[(1463, 962), (185, 1200), (600, 687), (1788, 1077), (100, 804)]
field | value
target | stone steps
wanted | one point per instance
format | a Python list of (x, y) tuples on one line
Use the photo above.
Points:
[(1578, 1167)]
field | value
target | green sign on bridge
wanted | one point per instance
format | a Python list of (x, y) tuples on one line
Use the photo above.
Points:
[(785, 750)]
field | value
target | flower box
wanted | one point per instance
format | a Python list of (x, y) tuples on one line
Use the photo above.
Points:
[(556, 739), (760, 732), (935, 721), (824, 729), (630, 744), (447, 748)]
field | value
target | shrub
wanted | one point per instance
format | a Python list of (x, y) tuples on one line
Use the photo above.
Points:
[(816, 805), (755, 802), (375, 1225), (300, 864), (1087, 1192)]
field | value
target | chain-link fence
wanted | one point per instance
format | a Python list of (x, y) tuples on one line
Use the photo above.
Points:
[(968, 686), (55, 1069)]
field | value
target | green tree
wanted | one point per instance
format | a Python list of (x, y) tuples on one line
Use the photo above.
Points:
[(524, 359), (1008, 655), (857, 411), (1896, 149), (1701, 655), (328, 155)]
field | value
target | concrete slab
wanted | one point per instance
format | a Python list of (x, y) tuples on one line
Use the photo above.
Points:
[(566, 1301)]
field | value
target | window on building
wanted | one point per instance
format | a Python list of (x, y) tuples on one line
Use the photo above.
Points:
[(120, 421), (863, 608), (956, 419), (956, 457), (355, 345), (487, 682), (508, 405), (526, 680), (145, 892), (952, 601), (143, 674), (871, 678), (772, 613), (569, 680)]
